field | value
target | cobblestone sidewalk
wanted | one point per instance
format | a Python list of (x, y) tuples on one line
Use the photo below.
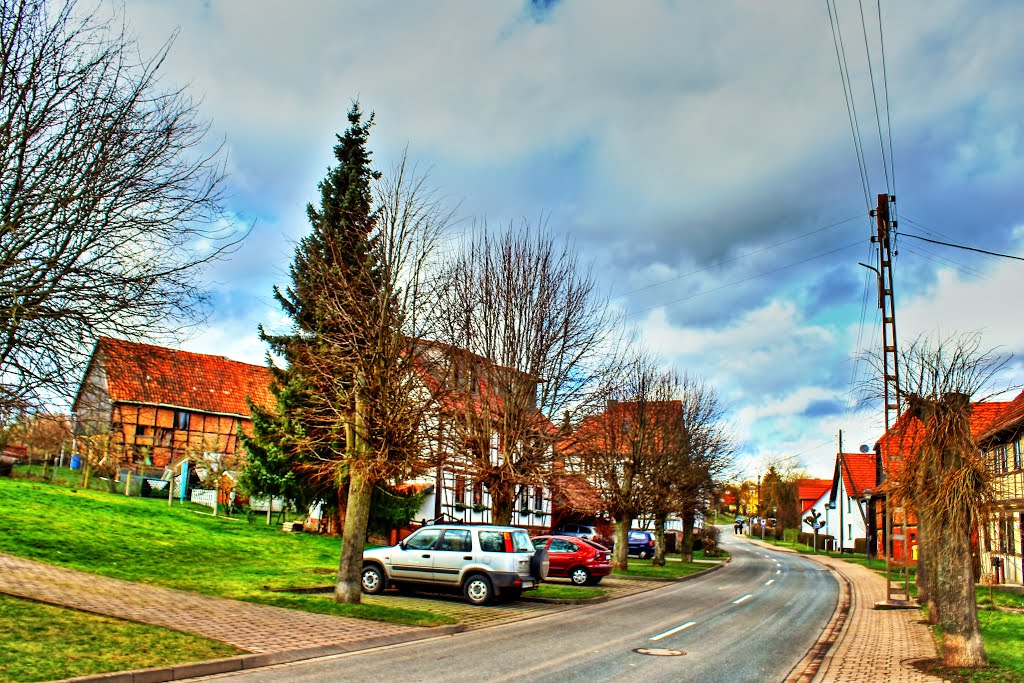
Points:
[(251, 627), (875, 645)]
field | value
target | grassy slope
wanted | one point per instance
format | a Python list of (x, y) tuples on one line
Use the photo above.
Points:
[(88, 644), (141, 539)]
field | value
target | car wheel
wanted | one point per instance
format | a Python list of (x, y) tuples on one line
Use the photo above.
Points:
[(594, 580), (478, 589), (579, 576), (644, 555), (373, 580), (540, 565)]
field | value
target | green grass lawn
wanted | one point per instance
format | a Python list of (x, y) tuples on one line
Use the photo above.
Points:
[(671, 570), (565, 591), (31, 634), (183, 546)]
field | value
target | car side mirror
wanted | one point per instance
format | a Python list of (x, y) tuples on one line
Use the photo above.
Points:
[(401, 544)]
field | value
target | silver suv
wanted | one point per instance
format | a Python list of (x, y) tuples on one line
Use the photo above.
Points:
[(481, 562)]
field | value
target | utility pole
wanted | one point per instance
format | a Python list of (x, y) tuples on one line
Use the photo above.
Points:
[(891, 386)]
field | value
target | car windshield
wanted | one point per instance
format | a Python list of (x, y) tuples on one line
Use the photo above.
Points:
[(637, 536)]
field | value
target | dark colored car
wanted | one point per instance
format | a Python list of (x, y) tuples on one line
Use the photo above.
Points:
[(581, 561), (641, 543)]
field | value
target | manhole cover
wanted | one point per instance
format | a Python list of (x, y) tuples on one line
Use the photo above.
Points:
[(658, 652)]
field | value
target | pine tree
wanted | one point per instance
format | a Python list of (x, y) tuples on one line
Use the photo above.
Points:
[(293, 451)]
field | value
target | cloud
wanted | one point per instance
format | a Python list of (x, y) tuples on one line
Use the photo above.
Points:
[(665, 139)]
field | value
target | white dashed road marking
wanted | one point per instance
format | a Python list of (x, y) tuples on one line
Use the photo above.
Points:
[(677, 629)]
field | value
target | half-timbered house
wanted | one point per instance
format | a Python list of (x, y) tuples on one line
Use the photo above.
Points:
[(161, 405)]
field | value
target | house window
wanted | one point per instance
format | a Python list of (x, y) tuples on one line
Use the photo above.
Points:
[(181, 419), (1017, 447), (538, 498), (478, 493), (1001, 454), (849, 505), (460, 490)]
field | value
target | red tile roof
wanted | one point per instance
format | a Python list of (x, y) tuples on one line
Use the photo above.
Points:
[(908, 432), (1011, 416), (858, 472), (155, 375), (810, 490), (612, 427)]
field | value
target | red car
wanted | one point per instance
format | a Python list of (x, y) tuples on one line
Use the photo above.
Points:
[(583, 562)]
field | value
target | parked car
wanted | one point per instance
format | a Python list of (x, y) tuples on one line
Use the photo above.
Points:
[(583, 562), (577, 530), (641, 543), (481, 562)]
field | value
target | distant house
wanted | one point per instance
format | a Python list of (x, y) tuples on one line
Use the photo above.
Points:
[(854, 478), (813, 495), (160, 405), (1002, 529)]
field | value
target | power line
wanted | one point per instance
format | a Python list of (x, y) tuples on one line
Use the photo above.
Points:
[(888, 117), (851, 107), (747, 279), (741, 256), (874, 96), (949, 263), (961, 246)]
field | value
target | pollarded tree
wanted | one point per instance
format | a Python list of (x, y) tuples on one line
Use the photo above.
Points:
[(109, 196), (940, 474)]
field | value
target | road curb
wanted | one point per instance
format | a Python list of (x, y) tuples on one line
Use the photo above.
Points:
[(253, 661)]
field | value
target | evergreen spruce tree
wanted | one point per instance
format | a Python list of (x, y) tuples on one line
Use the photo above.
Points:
[(300, 449)]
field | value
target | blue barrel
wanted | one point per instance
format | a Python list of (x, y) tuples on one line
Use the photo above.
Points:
[(76, 461)]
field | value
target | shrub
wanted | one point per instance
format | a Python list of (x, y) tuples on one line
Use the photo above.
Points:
[(708, 538)]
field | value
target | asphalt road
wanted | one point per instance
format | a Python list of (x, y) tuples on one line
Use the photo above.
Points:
[(753, 620)]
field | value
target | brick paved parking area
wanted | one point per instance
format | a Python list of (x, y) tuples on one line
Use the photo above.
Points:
[(251, 627), (474, 617)]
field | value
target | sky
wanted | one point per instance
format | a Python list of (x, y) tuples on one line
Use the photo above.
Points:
[(699, 154)]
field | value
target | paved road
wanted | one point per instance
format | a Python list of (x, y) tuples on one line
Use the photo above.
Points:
[(751, 621)]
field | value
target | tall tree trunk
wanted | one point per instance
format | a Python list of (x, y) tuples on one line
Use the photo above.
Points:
[(357, 509), (620, 553), (954, 587), (689, 517), (926, 553), (659, 539), (360, 491), (502, 495)]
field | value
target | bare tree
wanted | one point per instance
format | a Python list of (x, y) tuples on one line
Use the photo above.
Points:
[(109, 196), (626, 448), (527, 305), (935, 469), (701, 454)]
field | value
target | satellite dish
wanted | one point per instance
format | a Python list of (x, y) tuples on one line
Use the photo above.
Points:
[(864, 448)]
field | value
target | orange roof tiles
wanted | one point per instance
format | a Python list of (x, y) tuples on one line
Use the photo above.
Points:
[(810, 490), (907, 433), (858, 472), (155, 375)]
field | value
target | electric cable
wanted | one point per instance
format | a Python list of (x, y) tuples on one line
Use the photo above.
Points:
[(741, 256)]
